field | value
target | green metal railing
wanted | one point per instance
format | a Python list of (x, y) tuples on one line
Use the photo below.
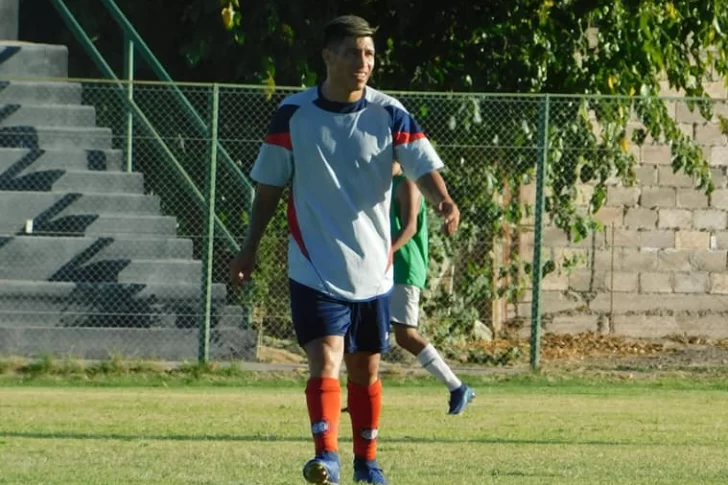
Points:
[(133, 41), (206, 202)]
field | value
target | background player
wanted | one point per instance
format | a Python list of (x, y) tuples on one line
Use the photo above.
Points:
[(410, 247)]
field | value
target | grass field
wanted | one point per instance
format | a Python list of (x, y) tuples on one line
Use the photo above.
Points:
[(254, 432)]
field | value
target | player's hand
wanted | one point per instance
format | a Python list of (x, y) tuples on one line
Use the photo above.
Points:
[(242, 266), (450, 212)]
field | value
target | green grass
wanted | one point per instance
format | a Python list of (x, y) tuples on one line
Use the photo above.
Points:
[(218, 426)]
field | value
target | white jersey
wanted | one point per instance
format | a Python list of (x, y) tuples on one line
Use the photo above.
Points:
[(338, 158)]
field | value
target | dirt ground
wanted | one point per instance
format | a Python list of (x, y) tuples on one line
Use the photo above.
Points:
[(586, 350), (619, 353)]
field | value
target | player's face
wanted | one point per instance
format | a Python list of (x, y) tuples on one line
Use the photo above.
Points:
[(350, 64)]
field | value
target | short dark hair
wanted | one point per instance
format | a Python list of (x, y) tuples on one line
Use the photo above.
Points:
[(345, 26)]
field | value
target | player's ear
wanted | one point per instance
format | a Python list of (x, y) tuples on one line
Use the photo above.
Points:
[(327, 55)]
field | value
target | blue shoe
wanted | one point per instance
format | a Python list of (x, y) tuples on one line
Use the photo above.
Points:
[(323, 469), (368, 472), (460, 398)]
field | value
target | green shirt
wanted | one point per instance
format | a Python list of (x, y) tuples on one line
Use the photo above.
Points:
[(411, 260)]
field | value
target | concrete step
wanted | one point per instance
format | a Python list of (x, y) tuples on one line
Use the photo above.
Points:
[(103, 225), (47, 115), (52, 304), (20, 161), (124, 270), (24, 59), (113, 225), (123, 312), (144, 271), (40, 92), (9, 13), (55, 137), (231, 316), (50, 258), (71, 181), (96, 320), (171, 344), (28, 295), (44, 207)]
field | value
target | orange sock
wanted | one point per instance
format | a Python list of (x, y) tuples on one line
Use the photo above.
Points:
[(365, 406), (323, 397)]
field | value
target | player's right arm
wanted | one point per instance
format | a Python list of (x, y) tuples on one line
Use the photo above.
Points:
[(272, 171), (265, 204)]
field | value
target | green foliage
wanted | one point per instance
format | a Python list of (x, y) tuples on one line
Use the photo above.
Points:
[(614, 52)]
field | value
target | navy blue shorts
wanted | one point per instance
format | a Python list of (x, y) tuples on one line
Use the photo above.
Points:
[(364, 325)]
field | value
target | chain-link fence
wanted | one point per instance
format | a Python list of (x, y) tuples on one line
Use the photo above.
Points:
[(121, 206)]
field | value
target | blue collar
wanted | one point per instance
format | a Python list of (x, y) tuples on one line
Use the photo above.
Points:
[(338, 107)]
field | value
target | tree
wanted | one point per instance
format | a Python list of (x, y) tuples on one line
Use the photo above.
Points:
[(616, 52), (570, 47)]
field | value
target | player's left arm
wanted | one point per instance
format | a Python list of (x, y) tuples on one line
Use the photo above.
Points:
[(422, 164), (409, 200), (434, 189)]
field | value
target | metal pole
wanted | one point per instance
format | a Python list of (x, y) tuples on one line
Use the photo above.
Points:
[(209, 237), (129, 77), (611, 289), (543, 134)]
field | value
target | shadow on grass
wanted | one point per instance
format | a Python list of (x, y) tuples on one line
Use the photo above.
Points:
[(69, 435)]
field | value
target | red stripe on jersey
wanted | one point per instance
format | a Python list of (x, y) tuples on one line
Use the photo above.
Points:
[(294, 228), (403, 137), (279, 139)]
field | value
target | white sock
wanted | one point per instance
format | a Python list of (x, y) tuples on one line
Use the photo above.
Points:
[(433, 363)]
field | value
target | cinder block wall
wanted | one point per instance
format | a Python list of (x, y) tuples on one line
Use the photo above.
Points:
[(660, 267)]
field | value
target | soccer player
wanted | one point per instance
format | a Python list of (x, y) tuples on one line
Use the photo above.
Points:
[(335, 144), (410, 247)]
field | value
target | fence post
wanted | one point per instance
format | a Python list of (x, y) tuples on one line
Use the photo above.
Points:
[(209, 236), (129, 77), (543, 147)]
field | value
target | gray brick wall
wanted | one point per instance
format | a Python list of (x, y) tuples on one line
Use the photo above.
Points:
[(661, 265)]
